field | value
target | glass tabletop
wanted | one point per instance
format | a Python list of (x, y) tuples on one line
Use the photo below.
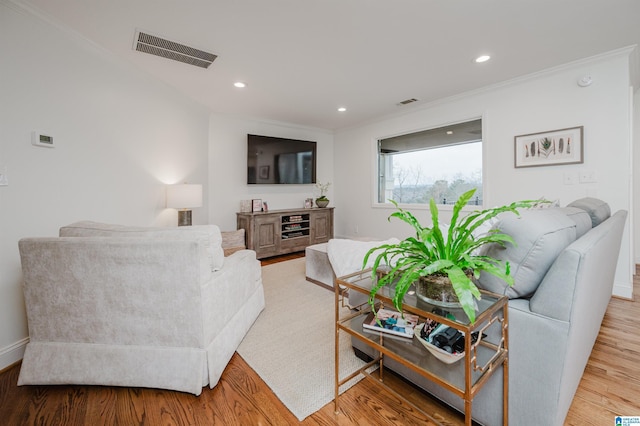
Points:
[(362, 282)]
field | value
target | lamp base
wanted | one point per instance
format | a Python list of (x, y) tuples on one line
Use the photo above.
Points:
[(184, 217)]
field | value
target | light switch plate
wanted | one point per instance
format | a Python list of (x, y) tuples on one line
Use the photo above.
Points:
[(588, 176)]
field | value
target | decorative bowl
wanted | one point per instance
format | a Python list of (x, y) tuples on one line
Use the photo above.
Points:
[(442, 355), (322, 203)]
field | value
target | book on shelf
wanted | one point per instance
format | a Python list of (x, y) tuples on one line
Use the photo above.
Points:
[(294, 218), (391, 322), (292, 235), (374, 335)]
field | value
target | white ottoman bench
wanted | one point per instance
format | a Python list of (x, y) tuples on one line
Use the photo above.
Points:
[(318, 267)]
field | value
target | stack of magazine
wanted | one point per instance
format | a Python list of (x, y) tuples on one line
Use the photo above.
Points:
[(391, 322)]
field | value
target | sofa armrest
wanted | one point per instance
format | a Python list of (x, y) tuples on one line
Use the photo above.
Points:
[(229, 289), (580, 281), (538, 347)]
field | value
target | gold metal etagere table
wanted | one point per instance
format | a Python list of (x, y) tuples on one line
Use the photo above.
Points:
[(464, 378)]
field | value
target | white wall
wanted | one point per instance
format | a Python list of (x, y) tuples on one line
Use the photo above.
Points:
[(119, 138), (228, 167), (546, 101)]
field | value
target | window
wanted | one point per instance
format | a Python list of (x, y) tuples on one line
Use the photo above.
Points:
[(438, 163)]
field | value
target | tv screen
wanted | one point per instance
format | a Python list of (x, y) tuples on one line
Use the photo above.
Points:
[(272, 160)]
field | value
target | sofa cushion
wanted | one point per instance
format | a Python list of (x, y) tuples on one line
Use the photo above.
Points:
[(233, 241), (210, 235), (580, 217), (598, 210), (540, 235)]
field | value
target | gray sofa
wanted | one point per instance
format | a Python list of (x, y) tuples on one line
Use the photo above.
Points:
[(128, 306), (564, 266)]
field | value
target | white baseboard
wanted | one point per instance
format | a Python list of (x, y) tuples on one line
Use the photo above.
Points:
[(13, 353), (623, 290)]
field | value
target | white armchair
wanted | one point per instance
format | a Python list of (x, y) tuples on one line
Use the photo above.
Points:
[(144, 307)]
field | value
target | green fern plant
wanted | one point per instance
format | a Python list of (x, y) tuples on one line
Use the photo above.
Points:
[(454, 253)]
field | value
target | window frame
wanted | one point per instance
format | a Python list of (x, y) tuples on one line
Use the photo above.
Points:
[(376, 175)]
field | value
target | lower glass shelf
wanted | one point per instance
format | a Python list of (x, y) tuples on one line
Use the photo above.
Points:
[(413, 352)]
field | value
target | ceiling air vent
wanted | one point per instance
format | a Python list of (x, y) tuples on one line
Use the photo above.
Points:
[(407, 101), (154, 45)]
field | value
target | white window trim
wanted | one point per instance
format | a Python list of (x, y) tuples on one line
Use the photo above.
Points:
[(375, 174)]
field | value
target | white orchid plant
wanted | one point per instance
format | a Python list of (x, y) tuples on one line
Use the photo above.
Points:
[(323, 187)]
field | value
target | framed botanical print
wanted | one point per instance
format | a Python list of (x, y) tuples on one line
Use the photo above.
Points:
[(563, 146)]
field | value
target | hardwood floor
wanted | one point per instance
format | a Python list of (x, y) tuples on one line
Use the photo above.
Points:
[(609, 387)]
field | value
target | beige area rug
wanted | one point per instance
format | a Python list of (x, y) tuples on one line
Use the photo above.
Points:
[(291, 345)]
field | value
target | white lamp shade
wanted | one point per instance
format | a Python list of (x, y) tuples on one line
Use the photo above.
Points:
[(184, 196)]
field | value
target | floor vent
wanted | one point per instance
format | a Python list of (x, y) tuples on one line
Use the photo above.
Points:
[(407, 101), (154, 45)]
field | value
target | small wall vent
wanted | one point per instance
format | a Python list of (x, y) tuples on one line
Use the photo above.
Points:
[(407, 101), (158, 46)]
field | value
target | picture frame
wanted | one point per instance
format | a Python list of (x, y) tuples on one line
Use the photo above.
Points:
[(245, 206), (264, 172), (550, 148), (308, 203), (257, 205)]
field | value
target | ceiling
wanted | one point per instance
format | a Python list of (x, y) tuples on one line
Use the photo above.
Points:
[(302, 59)]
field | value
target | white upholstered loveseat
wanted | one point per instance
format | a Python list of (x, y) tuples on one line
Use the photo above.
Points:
[(130, 306)]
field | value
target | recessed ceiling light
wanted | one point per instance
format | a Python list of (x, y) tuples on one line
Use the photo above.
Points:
[(342, 109), (483, 58), (449, 132), (239, 84)]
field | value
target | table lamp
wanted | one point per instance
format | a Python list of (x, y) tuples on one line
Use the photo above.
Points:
[(184, 197)]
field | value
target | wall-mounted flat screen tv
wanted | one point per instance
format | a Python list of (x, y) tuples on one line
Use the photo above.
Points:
[(272, 160)]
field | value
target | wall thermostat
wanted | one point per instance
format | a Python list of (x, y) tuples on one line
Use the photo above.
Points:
[(38, 139)]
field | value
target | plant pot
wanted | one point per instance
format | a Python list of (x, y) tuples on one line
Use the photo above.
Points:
[(437, 290), (322, 203)]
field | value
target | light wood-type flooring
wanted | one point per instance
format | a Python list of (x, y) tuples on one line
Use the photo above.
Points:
[(609, 387)]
